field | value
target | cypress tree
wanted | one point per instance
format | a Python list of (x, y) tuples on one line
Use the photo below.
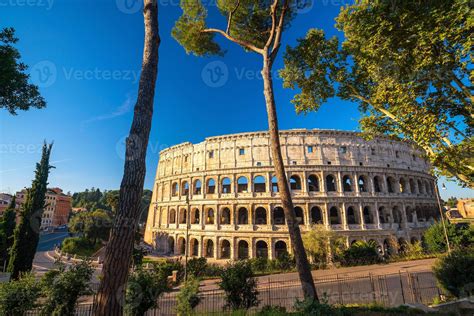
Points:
[(26, 235), (7, 227)]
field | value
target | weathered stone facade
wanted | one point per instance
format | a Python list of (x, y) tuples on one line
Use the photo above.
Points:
[(364, 190)]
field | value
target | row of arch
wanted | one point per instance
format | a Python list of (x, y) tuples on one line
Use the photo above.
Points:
[(314, 184), (360, 214)]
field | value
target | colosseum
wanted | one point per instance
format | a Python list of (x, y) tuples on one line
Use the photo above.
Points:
[(221, 194)]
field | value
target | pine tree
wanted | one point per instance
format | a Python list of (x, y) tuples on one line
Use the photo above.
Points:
[(26, 235), (7, 228)]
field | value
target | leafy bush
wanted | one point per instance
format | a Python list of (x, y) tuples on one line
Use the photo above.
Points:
[(213, 270), (361, 252), (270, 310), (144, 287), (239, 286), (197, 266), (455, 272), (187, 298), (284, 262), (79, 246), (258, 264), (312, 307), (459, 235), (62, 288), (17, 297), (167, 267)]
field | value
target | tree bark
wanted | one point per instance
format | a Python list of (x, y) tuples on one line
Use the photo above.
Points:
[(110, 297), (302, 264)]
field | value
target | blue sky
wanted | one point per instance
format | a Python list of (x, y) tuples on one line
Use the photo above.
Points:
[(86, 55)]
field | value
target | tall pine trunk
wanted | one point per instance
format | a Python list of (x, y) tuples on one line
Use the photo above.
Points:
[(26, 235), (302, 264), (110, 297)]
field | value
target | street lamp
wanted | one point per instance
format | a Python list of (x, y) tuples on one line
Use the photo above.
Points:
[(442, 215)]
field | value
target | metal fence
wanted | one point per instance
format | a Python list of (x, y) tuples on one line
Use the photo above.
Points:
[(386, 290)]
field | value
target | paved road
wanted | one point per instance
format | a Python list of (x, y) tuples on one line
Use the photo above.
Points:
[(43, 259)]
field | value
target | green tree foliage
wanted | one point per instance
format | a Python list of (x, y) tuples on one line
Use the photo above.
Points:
[(7, 229), (94, 226), (188, 298), (459, 235), (239, 285), (144, 287), (360, 253), (407, 64), (452, 202), (197, 266), (15, 91), (455, 272), (26, 235), (17, 297), (323, 245), (62, 287)]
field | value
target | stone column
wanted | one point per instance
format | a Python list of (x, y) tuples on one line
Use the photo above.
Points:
[(339, 186), (343, 216), (356, 184), (361, 216), (377, 215)]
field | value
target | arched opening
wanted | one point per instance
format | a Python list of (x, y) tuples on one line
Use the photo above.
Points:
[(182, 216), (383, 215), (363, 185), (225, 216), (209, 251), (316, 215), (197, 187), (295, 182), (211, 186), (182, 245), (388, 247), (171, 244), (397, 215), (243, 250), (172, 219), (243, 216), (391, 185), (368, 217), (330, 183), (174, 189), (420, 187), (351, 216), (278, 216), (274, 184), (261, 216), (313, 183), (280, 249), (334, 216), (226, 185), (262, 249), (377, 187), (210, 217), (259, 184), (347, 184), (402, 244), (194, 247), (412, 186), (242, 184), (409, 214), (195, 216), (403, 185), (299, 215), (225, 249), (184, 188)]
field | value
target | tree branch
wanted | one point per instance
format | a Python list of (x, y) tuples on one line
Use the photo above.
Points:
[(235, 40), (465, 90), (272, 31), (229, 20), (279, 31)]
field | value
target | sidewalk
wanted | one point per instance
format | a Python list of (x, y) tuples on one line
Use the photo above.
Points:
[(376, 269)]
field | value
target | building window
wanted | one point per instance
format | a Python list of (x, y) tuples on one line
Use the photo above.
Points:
[(259, 164), (185, 158), (372, 150), (310, 149), (241, 151), (211, 154), (343, 149), (329, 162), (397, 154)]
